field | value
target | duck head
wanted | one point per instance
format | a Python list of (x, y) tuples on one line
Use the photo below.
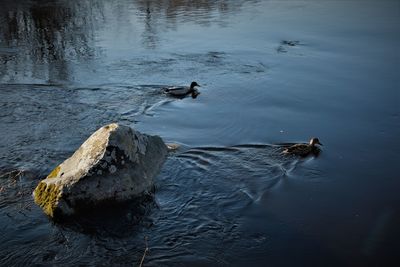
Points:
[(315, 141), (193, 84)]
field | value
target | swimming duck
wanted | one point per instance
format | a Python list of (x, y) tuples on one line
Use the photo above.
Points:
[(182, 91), (303, 150)]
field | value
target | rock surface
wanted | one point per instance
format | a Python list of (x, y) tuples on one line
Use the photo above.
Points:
[(116, 163)]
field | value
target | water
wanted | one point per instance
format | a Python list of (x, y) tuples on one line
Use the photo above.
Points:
[(271, 72)]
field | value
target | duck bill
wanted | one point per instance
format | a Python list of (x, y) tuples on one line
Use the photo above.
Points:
[(320, 144)]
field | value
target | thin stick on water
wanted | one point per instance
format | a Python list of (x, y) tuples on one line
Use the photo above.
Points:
[(145, 251), (12, 174)]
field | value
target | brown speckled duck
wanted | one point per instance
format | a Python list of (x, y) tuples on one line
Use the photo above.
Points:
[(303, 150)]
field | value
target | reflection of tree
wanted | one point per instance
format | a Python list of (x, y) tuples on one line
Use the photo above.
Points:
[(40, 40), (167, 13), (171, 9), (150, 29), (50, 33)]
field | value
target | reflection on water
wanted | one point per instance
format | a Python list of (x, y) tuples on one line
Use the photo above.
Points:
[(164, 15), (42, 42)]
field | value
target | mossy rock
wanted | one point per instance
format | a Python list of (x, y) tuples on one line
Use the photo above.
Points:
[(115, 164), (54, 173)]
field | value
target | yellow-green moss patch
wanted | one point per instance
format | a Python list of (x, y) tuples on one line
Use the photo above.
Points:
[(54, 173), (46, 196)]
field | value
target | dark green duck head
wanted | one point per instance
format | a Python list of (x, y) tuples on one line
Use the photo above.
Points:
[(193, 85)]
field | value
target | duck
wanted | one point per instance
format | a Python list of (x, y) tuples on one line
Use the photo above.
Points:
[(182, 91), (304, 150)]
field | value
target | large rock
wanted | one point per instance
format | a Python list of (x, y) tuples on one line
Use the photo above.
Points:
[(115, 164)]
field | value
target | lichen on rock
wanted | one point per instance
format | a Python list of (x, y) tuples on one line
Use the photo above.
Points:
[(46, 196), (54, 172)]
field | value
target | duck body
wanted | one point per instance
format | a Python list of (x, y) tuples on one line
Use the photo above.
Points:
[(182, 91), (304, 150), (178, 91)]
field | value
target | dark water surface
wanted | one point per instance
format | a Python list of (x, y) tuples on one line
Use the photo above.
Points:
[(271, 72)]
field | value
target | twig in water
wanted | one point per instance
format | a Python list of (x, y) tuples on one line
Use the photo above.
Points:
[(145, 251), (12, 174)]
